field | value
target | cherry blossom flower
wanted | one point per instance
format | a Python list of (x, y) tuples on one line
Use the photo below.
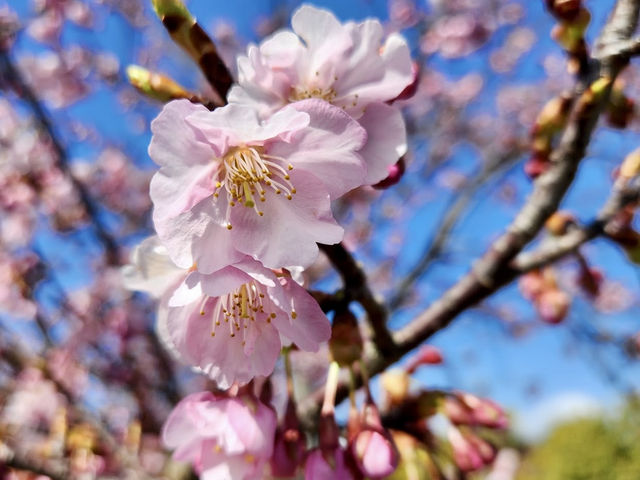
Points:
[(231, 324), (231, 185), (347, 65), (224, 438)]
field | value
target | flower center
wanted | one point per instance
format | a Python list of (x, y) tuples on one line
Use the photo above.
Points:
[(239, 309), (247, 172), (303, 93)]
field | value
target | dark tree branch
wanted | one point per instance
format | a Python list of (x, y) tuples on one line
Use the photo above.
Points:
[(357, 289), (623, 194)]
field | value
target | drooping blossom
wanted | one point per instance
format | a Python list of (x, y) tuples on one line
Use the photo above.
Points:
[(224, 438), (348, 65), (371, 445), (232, 185), (230, 324), (332, 465)]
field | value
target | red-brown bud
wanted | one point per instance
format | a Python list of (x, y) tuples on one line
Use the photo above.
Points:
[(346, 341), (566, 10)]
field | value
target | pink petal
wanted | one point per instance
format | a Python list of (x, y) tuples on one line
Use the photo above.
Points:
[(310, 327), (327, 147), (190, 236), (151, 269), (289, 229), (372, 76), (185, 159), (386, 140), (236, 125), (179, 427)]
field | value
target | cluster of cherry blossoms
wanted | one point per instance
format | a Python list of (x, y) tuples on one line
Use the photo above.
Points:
[(242, 198)]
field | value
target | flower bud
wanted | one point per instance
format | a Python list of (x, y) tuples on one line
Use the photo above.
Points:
[(558, 223), (630, 168), (395, 383), (590, 280), (346, 342), (371, 446), (565, 10), (374, 453), (470, 452), (553, 305), (332, 465), (532, 284), (536, 166), (290, 445), (456, 411), (553, 116), (484, 412), (427, 355), (155, 85), (570, 35)]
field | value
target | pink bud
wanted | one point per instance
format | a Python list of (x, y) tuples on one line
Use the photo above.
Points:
[(427, 355), (290, 445), (536, 166), (465, 454), (456, 411), (371, 446), (553, 305), (374, 453), (485, 412), (532, 284)]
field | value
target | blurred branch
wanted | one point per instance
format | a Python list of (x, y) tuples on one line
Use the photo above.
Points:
[(14, 78), (623, 194)]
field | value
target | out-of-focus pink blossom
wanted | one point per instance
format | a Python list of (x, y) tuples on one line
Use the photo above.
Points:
[(467, 409), (470, 452), (118, 183), (66, 371), (18, 276), (224, 438), (290, 445), (403, 13), (458, 35), (59, 77), (248, 186), (330, 465), (348, 65), (33, 403), (553, 305)]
